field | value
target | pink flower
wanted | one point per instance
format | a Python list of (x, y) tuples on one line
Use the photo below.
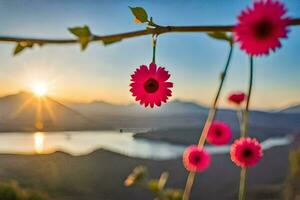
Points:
[(219, 133), (237, 97), (150, 86), (196, 159), (260, 28), (246, 152)]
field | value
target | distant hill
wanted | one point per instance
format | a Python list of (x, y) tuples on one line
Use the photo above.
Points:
[(291, 109), (26, 112), (176, 107), (101, 175), (173, 114), (21, 111), (177, 115)]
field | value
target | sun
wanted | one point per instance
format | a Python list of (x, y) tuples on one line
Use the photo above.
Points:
[(40, 89)]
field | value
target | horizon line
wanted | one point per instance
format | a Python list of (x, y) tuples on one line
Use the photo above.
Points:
[(133, 103)]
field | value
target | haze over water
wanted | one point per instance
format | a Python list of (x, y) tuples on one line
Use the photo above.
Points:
[(84, 142)]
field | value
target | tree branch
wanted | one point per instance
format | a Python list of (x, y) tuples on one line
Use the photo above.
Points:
[(116, 37)]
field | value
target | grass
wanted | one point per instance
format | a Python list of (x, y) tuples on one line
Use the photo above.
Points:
[(12, 191)]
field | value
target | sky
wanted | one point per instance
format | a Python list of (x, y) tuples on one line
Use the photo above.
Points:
[(103, 73)]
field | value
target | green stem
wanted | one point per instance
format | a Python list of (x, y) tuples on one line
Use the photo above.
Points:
[(239, 114), (188, 186), (244, 133), (210, 118), (213, 110), (242, 189), (246, 112)]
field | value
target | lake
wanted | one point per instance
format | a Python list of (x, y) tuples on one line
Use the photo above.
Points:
[(84, 142)]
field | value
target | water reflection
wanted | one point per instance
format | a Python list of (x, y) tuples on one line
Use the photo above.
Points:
[(39, 139), (84, 142)]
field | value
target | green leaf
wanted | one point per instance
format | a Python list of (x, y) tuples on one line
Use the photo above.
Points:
[(81, 31), (21, 46), (138, 175), (173, 194), (84, 35), (84, 41), (153, 185), (109, 41), (139, 13), (219, 35)]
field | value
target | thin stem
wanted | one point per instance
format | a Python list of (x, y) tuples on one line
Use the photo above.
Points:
[(210, 118), (213, 110), (242, 189), (246, 112), (154, 39), (121, 36), (188, 186), (239, 114), (244, 133)]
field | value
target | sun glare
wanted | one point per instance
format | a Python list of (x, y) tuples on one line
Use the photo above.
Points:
[(39, 89), (39, 142)]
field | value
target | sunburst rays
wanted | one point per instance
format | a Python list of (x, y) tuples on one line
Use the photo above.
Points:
[(43, 109)]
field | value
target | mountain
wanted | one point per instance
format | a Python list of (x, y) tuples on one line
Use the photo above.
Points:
[(181, 121), (133, 116), (177, 119), (26, 112), (176, 107), (291, 109)]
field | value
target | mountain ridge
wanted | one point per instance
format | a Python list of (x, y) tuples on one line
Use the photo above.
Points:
[(293, 108), (99, 115)]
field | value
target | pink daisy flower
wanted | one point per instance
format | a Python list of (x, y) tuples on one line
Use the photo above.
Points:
[(260, 28), (196, 159), (237, 97), (246, 152), (219, 133), (150, 86)]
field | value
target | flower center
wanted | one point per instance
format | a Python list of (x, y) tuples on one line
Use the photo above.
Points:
[(218, 132), (263, 29), (151, 85), (247, 153), (197, 158)]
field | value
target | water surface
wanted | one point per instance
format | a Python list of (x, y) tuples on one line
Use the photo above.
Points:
[(84, 142)]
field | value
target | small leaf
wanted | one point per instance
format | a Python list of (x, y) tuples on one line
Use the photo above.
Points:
[(109, 41), (21, 46), (140, 14), (173, 194), (81, 31), (84, 41), (219, 35), (153, 185), (84, 35), (138, 175)]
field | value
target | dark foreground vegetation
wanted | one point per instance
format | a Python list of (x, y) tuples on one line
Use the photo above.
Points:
[(101, 175), (12, 191)]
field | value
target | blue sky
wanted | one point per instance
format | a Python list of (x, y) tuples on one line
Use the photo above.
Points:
[(102, 73)]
